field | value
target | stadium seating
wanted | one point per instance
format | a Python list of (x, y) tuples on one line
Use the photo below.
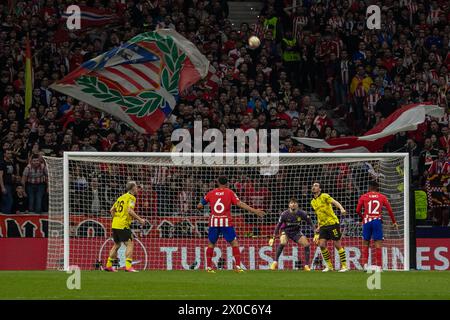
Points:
[(316, 56)]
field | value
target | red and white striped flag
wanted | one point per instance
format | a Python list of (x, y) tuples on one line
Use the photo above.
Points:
[(93, 17), (406, 118)]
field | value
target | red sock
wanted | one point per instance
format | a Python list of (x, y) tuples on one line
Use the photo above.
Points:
[(365, 254), (379, 261), (209, 254), (237, 256)]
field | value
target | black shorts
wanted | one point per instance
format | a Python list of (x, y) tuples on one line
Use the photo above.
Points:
[(332, 232), (294, 235), (122, 235)]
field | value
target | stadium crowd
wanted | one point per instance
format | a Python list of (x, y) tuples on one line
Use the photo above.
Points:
[(318, 48)]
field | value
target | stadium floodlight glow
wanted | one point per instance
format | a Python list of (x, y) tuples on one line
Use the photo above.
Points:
[(84, 185)]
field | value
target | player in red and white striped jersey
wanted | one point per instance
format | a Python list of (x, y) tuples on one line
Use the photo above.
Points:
[(373, 202), (221, 221)]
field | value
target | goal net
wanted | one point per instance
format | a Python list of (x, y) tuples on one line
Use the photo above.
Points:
[(83, 186)]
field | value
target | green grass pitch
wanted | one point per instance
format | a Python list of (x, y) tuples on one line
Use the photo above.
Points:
[(185, 285)]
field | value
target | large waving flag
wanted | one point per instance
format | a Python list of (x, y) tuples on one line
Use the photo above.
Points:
[(406, 118), (140, 81), (28, 79)]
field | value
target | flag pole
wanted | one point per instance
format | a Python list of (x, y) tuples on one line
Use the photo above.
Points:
[(28, 79)]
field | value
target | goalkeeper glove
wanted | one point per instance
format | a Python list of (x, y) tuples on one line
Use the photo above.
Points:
[(316, 238), (271, 241)]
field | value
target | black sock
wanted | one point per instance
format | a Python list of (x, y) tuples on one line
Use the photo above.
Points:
[(279, 251), (307, 255)]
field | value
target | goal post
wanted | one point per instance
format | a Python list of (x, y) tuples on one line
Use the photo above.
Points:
[(66, 210), (84, 185)]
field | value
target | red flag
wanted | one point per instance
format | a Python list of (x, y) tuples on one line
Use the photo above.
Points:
[(93, 17), (406, 118)]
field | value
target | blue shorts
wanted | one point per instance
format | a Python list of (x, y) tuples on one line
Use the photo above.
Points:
[(228, 233), (373, 230)]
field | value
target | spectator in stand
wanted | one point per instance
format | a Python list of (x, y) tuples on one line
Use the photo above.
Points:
[(440, 167), (48, 145), (359, 88), (96, 202), (8, 171), (34, 179), (427, 156), (414, 151), (20, 200), (322, 121), (147, 203), (186, 197), (387, 104), (444, 140)]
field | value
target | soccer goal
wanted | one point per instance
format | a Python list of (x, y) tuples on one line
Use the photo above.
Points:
[(84, 185)]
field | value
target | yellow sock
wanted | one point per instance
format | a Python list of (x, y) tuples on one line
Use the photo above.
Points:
[(109, 263), (343, 258), (326, 256), (128, 263)]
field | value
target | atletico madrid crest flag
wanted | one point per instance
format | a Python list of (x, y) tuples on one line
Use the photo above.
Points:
[(140, 81)]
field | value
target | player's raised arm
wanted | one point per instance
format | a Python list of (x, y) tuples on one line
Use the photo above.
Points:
[(338, 205), (237, 202), (243, 205)]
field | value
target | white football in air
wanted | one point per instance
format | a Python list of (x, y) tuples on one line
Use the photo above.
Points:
[(254, 42)]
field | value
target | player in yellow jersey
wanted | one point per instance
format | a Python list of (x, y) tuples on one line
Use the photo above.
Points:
[(328, 228), (123, 214)]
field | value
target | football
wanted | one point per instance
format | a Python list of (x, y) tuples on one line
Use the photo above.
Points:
[(254, 42)]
